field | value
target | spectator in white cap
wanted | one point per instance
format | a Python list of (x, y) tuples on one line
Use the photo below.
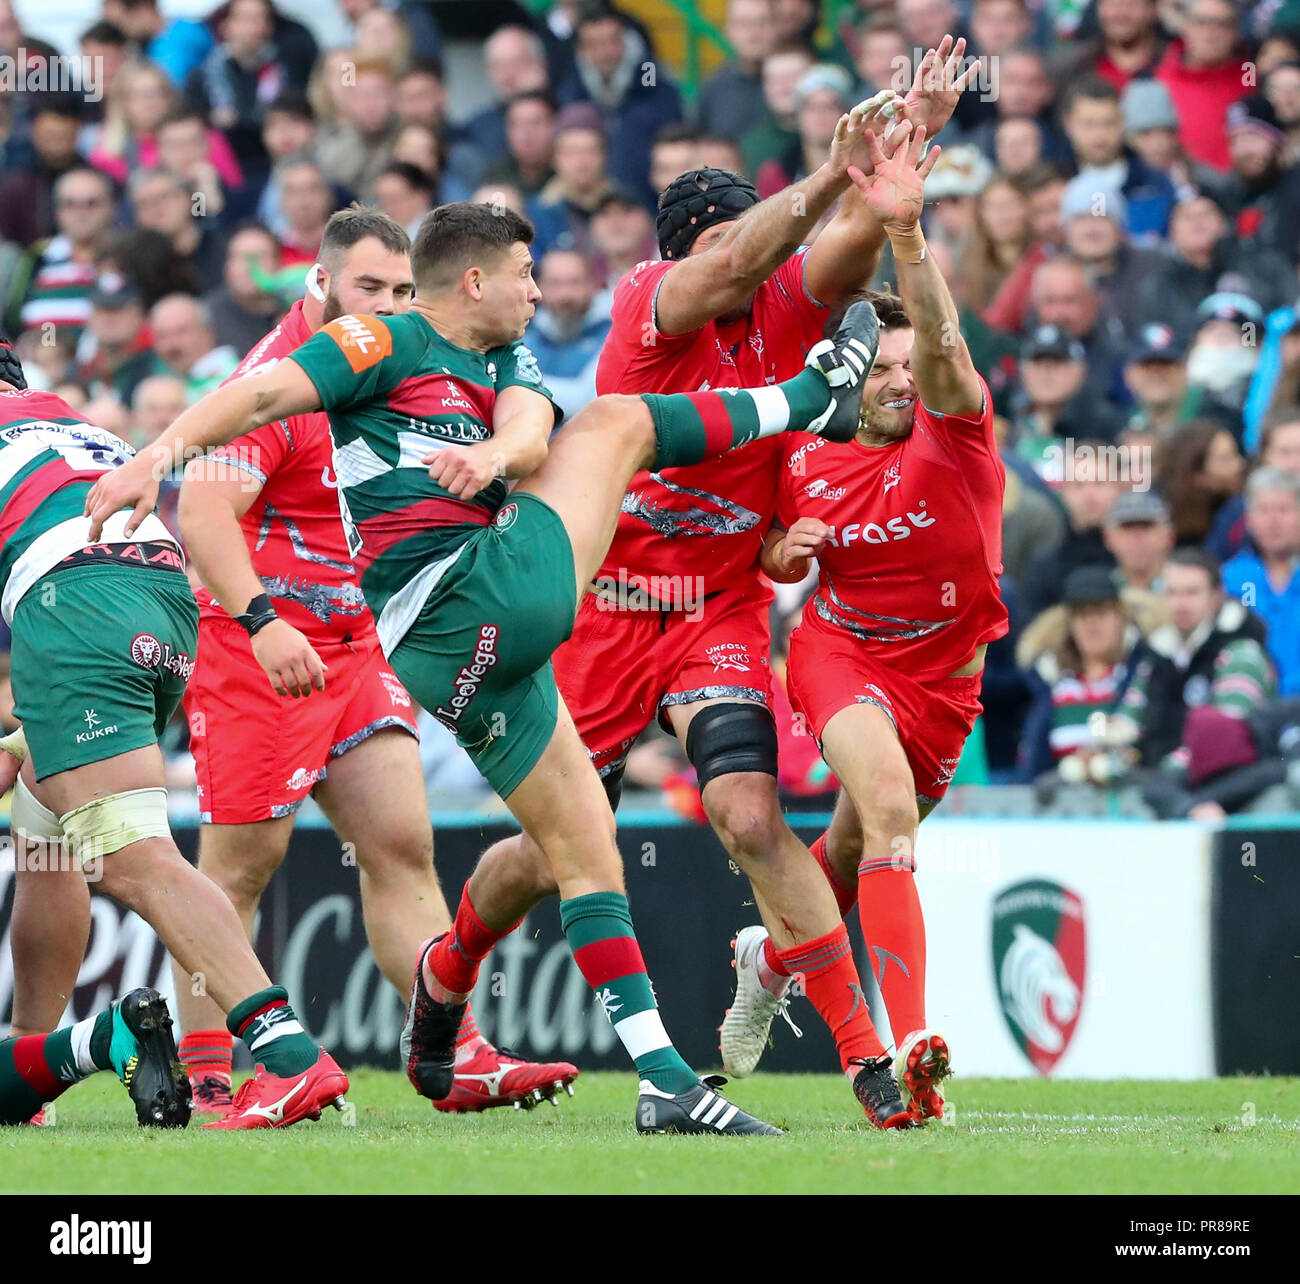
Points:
[(1093, 218), (961, 173), (1222, 360), (1151, 130), (824, 93)]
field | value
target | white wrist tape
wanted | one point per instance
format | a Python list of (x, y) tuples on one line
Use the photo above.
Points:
[(15, 743)]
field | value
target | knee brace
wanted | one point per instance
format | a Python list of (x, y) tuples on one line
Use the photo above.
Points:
[(30, 817), (105, 825), (728, 738)]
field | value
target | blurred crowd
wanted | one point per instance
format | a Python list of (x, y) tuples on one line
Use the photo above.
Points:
[(1116, 209)]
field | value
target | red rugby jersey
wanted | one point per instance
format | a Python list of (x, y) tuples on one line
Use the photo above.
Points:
[(707, 519), (294, 528), (912, 565)]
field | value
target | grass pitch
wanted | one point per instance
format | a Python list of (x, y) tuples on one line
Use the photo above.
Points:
[(1235, 1136)]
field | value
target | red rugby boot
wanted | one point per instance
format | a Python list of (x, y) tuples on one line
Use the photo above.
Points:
[(266, 1101), (499, 1077)]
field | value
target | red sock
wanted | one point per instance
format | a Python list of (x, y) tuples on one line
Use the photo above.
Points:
[(894, 930), (772, 961), (207, 1054), (831, 981), (846, 894), (453, 961)]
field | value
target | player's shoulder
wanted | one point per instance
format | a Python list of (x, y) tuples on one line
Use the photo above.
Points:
[(642, 279), (368, 340)]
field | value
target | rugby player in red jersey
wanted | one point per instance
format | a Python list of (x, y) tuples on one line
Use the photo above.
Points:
[(906, 524)]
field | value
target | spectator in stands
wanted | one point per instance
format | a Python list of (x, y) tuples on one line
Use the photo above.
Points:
[(1282, 88), (240, 78), (881, 57), (1024, 92), (1201, 252), (1203, 677), (383, 34), (530, 144), (27, 193), (1095, 125), (56, 275), (352, 152), (823, 95), (515, 62), (998, 26), (561, 212), (1139, 533), (1200, 468), (158, 401), (149, 261), (960, 175), (241, 310), (164, 202), (1079, 661), (731, 99), (421, 27), (1056, 401), (1267, 577), (142, 98), (1155, 374), (420, 95), (1043, 188), (1087, 494), (720, 153), (1129, 44), (796, 20), (1093, 216), (406, 194), (114, 353), (502, 195), (177, 45), (1000, 235), (183, 149), (1224, 352), (1017, 146), (186, 344), (1279, 447), (1203, 72), (1061, 294), (569, 328), (288, 129), (771, 136), (306, 203), (676, 149), (1032, 518), (635, 96), (1262, 194), (622, 235), (108, 43)]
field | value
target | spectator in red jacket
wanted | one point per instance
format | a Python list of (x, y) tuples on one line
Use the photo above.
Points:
[(1205, 74)]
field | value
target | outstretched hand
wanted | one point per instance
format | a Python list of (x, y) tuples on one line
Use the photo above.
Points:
[(895, 189), (872, 117), (939, 82)]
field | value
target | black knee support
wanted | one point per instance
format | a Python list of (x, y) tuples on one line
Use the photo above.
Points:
[(727, 738)]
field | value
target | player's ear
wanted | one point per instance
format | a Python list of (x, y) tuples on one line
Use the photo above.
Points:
[(473, 282), (318, 282)]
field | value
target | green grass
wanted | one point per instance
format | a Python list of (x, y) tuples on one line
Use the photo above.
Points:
[(1022, 1136)]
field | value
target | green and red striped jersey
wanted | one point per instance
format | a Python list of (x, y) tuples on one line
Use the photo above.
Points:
[(395, 390), (49, 459)]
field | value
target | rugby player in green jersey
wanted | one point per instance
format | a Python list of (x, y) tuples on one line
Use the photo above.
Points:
[(104, 630), (434, 414)]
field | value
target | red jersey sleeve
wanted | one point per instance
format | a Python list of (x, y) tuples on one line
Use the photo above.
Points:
[(260, 452), (787, 492), (789, 282), (635, 346), (978, 426)]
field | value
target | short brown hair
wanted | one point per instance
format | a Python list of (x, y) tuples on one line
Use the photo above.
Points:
[(355, 223), (889, 310), (453, 236)]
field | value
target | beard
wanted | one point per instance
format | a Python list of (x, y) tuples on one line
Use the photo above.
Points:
[(891, 425), (333, 308)]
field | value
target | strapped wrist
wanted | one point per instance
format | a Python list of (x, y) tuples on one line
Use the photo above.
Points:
[(908, 243), (258, 614)]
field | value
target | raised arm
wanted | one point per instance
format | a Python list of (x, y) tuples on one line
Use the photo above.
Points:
[(895, 193), (227, 412), (708, 285), (521, 428)]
